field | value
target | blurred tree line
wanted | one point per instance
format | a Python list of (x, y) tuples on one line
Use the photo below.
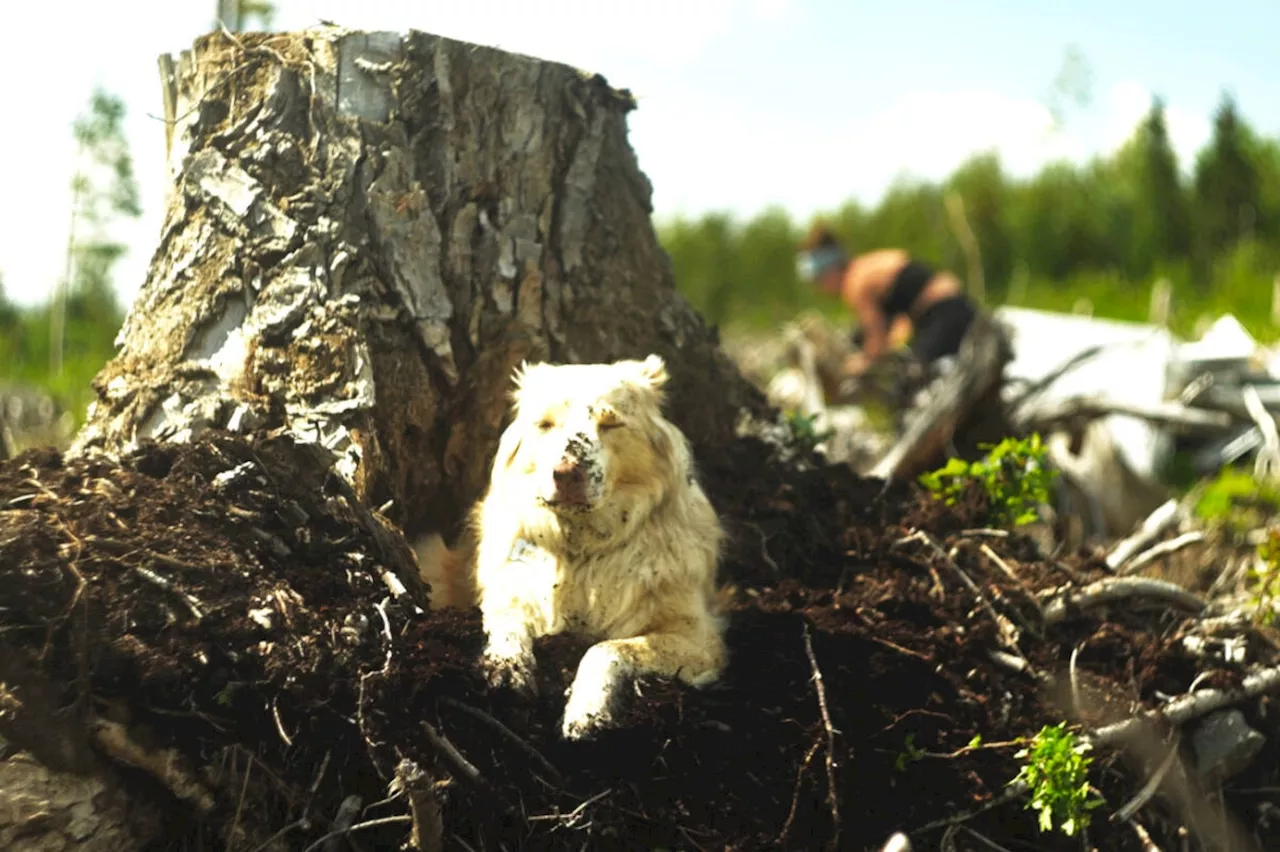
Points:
[(1104, 230), (61, 344)]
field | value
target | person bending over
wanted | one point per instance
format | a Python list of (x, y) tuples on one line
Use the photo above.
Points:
[(893, 295)]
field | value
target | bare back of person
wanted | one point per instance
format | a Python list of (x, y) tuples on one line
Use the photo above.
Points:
[(870, 277)]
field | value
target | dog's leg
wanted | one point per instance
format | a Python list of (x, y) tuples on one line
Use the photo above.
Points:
[(695, 656), (508, 656)]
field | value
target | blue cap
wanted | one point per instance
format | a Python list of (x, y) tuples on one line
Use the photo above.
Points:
[(811, 264)]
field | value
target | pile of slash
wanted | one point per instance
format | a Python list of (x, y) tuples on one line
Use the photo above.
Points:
[(890, 656)]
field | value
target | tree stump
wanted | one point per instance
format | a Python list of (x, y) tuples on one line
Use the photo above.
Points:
[(366, 232)]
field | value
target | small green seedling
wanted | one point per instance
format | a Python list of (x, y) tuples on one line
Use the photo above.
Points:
[(804, 429), (1265, 577), (910, 754), (1013, 473), (1056, 770)]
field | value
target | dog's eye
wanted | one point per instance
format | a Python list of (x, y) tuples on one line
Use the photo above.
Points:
[(546, 424)]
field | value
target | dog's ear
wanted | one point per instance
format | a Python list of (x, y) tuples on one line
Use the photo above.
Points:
[(519, 381), (518, 374), (653, 370)]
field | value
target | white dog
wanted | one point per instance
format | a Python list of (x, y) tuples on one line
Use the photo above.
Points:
[(594, 523)]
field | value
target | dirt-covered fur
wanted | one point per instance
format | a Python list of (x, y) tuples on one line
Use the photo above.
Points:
[(593, 523)]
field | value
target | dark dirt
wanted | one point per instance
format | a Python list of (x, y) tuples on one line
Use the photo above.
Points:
[(246, 622)]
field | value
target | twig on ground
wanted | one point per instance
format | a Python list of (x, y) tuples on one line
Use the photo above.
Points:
[(511, 735), (1008, 633), (983, 839), (1012, 662), (1012, 792), (986, 551), (275, 714), (900, 649), (467, 847), (1191, 706), (969, 749), (1148, 845), (983, 532), (193, 605), (1058, 605), (124, 548), (570, 819), (1161, 550), (360, 826), (300, 823), (820, 687), (1152, 528), (450, 751), (244, 789), (795, 795), (360, 723), (1266, 461), (348, 810), (1011, 574), (1149, 789)]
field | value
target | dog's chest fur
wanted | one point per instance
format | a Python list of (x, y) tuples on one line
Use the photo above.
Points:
[(594, 595)]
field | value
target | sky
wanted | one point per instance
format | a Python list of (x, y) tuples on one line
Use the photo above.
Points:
[(743, 104)]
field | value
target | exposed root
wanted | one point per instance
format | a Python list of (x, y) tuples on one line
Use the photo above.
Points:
[(820, 687)]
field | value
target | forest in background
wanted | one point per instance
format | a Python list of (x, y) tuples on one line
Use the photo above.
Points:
[(1104, 231)]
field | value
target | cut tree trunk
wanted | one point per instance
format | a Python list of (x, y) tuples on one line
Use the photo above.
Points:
[(364, 234), (367, 232)]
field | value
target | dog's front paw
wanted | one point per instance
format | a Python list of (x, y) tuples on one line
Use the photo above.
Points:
[(593, 696), (510, 669)]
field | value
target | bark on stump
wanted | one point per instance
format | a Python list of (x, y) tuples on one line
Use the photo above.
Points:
[(366, 232)]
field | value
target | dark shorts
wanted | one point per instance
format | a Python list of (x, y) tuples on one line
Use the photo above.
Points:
[(941, 327)]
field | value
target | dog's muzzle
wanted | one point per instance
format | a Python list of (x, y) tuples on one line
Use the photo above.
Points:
[(570, 477), (573, 474)]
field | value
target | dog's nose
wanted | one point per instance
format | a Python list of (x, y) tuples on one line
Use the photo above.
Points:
[(568, 473), (570, 481)]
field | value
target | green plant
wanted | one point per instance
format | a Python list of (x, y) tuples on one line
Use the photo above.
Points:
[(1013, 474), (804, 430), (1236, 501), (1056, 770), (1266, 578), (910, 753)]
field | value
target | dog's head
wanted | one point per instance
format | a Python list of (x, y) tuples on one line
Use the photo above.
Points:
[(591, 439)]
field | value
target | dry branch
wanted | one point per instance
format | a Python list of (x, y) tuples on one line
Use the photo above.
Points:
[(1058, 606), (1161, 550), (1152, 528), (833, 797), (1169, 414), (1192, 706)]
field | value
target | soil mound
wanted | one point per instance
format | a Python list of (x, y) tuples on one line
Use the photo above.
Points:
[(224, 600)]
